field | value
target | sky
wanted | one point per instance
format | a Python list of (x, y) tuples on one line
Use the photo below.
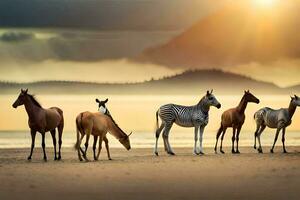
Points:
[(97, 40)]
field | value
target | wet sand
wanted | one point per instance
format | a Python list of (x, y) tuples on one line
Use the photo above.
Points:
[(138, 174)]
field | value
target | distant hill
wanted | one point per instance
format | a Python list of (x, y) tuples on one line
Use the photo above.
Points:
[(189, 82), (236, 34)]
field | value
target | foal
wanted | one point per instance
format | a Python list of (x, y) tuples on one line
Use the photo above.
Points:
[(279, 119), (235, 118), (42, 120)]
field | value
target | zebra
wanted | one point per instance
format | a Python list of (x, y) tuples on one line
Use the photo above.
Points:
[(185, 116)]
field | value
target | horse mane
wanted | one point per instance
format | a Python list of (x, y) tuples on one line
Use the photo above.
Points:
[(109, 115), (35, 102)]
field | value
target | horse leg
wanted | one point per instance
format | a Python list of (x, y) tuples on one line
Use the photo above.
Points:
[(158, 131), (33, 133), (196, 139), (222, 137), (276, 137), (283, 140), (43, 146), (94, 146), (258, 138), (86, 145), (166, 137), (100, 146), (54, 142), (217, 137), (237, 139), (232, 139), (80, 151), (107, 147), (201, 139), (60, 132)]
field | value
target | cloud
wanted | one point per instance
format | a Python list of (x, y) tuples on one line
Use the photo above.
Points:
[(74, 45), (16, 36)]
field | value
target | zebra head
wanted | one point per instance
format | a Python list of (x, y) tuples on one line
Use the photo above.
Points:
[(102, 108), (211, 100), (295, 100)]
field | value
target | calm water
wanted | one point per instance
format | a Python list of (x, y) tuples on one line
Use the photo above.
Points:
[(137, 114), (19, 139)]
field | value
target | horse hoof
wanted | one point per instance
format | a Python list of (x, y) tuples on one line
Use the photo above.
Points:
[(171, 153), (233, 152), (55, 158), (222, 151), (201, 153), (156, 153), (285, 152), (59, 158), (254, 147), (238, 152), (271, 151), (45, 159), (29, 158)]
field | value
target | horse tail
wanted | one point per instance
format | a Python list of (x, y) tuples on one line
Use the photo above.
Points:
[(79, 129)]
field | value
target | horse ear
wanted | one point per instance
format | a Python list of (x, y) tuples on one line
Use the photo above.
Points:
[(207, 92), (211, 91), (129, 134), (106, 100), (292, 98), (248, 91), (296, 96), (97, 100), (22, 90), (26, 91)]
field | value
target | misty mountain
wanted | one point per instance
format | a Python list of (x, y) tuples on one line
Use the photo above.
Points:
[(192, 82), (234, 35)]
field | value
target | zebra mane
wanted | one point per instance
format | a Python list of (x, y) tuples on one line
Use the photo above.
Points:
[(203, 105)]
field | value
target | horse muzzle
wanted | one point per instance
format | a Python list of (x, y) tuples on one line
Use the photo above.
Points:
[(218, 106)]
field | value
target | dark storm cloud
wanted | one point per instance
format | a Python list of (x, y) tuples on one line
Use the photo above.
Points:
[(102, 14), (15, 36)]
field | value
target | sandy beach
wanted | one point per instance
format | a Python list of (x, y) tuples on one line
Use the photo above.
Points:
[(138, 174)]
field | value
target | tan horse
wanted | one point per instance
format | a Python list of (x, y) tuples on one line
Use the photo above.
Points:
[(42, 120), (235, 118), (98, 124)]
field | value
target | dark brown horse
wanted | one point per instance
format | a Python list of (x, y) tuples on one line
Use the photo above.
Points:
[(42, 120), (235, 118)]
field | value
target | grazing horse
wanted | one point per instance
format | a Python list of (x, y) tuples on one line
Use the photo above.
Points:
[(42, 120), (279, 119), (98, 124), (235, 118), (186, 116)]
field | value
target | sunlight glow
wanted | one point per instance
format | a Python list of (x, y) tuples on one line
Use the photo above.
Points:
[(264, 3)]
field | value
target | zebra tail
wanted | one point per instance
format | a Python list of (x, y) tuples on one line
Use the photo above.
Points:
[(157, 120)]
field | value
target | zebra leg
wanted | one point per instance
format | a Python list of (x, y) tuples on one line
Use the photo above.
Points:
[(222, 137), (166, 138), (232, 139), (283, 140), (196, 139), (262, 128), (201, 139), (276, 137), (158, 131), (255, 135)]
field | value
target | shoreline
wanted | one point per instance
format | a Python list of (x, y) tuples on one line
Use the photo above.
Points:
[(138, 174)]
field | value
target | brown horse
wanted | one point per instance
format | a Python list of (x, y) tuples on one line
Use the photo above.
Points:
[(98, 124), (42, 120), (235, 118)]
